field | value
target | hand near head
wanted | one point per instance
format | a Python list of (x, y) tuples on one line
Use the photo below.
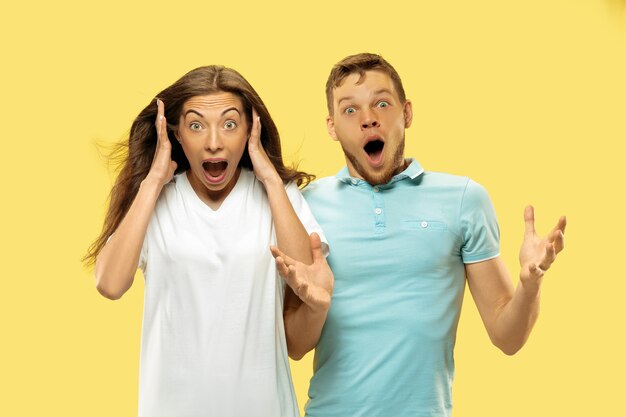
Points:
[(313, 284), (538, 253), (162, 169), (263, 167)]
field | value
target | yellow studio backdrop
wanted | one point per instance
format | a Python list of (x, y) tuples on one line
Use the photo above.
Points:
[(527, 97)]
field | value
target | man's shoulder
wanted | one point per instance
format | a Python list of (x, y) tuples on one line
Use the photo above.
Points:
[(321, 185), (443, 179)]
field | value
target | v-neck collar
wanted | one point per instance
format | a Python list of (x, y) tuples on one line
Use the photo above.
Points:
[(201, 205)]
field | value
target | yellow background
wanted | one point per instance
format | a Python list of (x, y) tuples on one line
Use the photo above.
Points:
[(526, 97)]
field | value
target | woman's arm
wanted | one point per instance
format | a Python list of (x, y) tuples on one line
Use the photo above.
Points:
[(291, 235), (117, 263)]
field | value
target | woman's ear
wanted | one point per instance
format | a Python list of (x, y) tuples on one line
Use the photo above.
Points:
[(174, 130)]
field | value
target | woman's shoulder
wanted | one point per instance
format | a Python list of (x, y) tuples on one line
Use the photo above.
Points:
[(175, 188)]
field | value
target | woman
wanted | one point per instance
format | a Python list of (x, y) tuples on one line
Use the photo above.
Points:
[(196, 206)]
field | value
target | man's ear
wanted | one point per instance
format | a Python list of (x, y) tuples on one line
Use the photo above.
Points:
[(408, 113), (330, 125)]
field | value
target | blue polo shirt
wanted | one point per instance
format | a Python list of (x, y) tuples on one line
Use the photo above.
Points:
[(397, 252)]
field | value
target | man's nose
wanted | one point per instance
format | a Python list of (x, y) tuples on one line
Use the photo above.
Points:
[(369, 120)]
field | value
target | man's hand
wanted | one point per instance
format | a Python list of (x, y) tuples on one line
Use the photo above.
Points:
[(538, 253), (313, 284)]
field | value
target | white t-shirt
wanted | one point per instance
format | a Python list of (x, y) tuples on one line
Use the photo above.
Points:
[(213, 341)]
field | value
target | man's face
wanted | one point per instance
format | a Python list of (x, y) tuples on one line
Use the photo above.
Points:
[(369, 120)]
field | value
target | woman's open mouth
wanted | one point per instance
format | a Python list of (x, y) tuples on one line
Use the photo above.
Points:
[(215, 171)]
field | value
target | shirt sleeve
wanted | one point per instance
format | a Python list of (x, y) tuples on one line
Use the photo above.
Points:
[(305, 215), (479, 225)]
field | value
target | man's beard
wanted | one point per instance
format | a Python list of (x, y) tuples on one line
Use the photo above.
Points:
[(385, 176)]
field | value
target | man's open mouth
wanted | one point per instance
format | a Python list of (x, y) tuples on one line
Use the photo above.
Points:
[(374, 150)]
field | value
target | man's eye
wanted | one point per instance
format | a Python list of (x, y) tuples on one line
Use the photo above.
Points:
[(230, 125), (195, 126), (350, 110), (383, 104)]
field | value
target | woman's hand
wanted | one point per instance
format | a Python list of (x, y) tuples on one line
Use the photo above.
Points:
[(163, 168), (263, 167)]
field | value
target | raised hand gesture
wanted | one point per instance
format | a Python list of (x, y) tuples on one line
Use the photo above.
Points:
[(538, 253), (313, 284), (162, 169), (263, 167)]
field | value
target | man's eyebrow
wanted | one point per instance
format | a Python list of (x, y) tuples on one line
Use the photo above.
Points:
[(343, 99), (377, 92), (383, 90)]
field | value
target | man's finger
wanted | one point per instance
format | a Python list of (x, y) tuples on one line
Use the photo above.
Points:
[(290, 275), (283, 270), (529, 220), (560, 225), (316, 247), (549, 257), (299, 286), (286, 259), (275, 252), (559, 241)]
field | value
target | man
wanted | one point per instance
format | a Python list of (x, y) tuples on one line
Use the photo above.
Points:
[(403, 242)]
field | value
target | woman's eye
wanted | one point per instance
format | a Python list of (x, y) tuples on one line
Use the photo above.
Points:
[(383, 104), (230, 125), (195, 126), (350, 110)]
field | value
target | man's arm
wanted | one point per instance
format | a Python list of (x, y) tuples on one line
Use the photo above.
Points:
[(507, 313), (307, 298)]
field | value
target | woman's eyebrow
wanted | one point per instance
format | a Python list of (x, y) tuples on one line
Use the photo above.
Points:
[(230, 109), (223, 113), (194, 111)]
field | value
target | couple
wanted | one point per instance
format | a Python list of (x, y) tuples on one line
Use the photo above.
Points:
[(204, 194)]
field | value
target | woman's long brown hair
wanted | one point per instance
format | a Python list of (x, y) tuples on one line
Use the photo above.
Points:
[(142, 141)]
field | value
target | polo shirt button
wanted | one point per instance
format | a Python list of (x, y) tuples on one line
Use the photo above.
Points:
[(354, 181), (378, 211), (424, 224), (376, 189)]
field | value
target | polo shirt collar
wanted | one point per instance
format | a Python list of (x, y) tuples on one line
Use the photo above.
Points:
[(412, 171)]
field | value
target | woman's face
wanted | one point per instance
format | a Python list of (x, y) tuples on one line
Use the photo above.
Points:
[(213, 132)]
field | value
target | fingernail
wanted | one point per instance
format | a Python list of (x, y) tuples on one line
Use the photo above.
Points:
[(158, 101)]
